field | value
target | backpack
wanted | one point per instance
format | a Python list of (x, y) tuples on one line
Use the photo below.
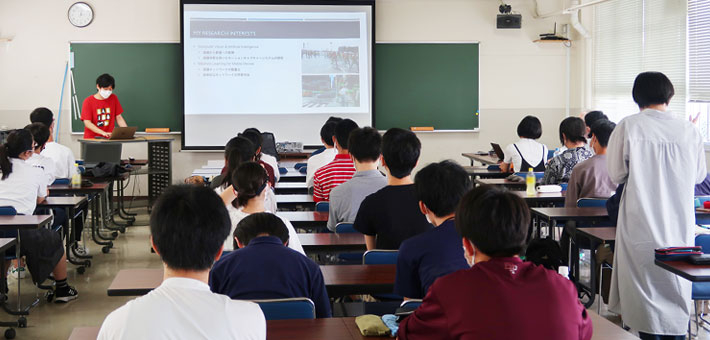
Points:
[(545, 252)]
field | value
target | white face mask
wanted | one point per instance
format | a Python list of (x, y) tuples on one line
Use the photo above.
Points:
[(105, 93)]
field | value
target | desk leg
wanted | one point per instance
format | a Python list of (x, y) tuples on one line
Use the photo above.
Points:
[(121, 207), (107, 221), (70, 236), (97, 216)]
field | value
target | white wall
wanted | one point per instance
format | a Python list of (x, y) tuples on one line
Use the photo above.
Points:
[(518, 77)]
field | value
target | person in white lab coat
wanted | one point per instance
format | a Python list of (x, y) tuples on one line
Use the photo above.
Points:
[(660, 159)]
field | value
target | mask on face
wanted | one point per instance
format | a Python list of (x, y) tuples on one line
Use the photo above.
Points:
[(105, 93)]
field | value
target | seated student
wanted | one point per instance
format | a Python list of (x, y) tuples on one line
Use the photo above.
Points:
[(22, 187), (256, 139), (187, 227), (340, 169), (425, 257), (392, 215), (572, 136), (365, 147), (590, 178), (249, 181), (61, 155), (317, 161), (322, 148), (500, 296), (527, 152), (264, 157), (40, 135), (592, 117), (239, 150), (265, 268)]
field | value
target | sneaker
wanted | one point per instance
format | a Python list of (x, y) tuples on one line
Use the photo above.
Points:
[(81, 250), (16, 272), (65, 295)]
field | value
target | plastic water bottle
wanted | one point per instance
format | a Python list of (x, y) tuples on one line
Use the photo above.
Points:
[(76, 178), (530, 182)]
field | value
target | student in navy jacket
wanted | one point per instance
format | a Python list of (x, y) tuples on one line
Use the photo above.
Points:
[(500, 296), (265, 268)]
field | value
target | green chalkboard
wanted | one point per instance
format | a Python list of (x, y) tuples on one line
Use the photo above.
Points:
[(426, 84), (148, 81)]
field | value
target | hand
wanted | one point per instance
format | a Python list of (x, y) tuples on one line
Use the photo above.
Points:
[(694, 120), (106, 134)]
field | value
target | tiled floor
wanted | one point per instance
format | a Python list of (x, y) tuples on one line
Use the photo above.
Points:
[(131, 250)]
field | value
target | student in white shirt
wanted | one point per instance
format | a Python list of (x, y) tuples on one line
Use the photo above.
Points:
[(188, 226), (22, 187), (250, 183), (317, 161), (40, 135), (527, 152), (266, 158), (61, 155)]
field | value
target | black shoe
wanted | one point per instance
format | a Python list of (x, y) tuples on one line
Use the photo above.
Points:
[(65, 294)]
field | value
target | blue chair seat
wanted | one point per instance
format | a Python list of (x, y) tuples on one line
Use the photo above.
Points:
[(323, 206), (298, 166), (284, 309), (303, 170), (283, 171)]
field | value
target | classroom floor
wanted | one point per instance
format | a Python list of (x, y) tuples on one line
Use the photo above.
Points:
[(131, 250)]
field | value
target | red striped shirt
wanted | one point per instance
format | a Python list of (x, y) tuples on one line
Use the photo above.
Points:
[(340, 170)]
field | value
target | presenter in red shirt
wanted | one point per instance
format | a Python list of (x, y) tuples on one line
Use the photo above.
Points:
[(101, 111)]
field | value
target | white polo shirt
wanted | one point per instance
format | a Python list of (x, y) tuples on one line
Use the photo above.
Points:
[(63, 159), (271, 160), (236, 215), (45, 164), (532, 151), (318, 161), (182, 308), (22, 187)]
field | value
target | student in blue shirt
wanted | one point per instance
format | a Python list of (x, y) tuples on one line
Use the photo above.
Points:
[(265, 268), (425, 257)]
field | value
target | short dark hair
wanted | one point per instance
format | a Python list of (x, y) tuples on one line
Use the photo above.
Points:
[(530, 127), (249, 180), (441, 185), (365, 144), (342, 131), (106, 80), (495, 220), (327, 132), (602, 129), (592, 116), (400, 150), (333, 119), (260, 223), (40, 133), (237, 151), (42, 115), (254, 137), (189, 225), (652, 88), (574, 129)]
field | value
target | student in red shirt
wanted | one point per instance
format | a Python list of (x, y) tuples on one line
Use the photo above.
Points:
[(101, 111), (500, 296), (341, 169)]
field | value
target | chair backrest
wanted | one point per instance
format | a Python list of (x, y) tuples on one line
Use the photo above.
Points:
[(591, 202), (344, 228), (550, 154), (411, 304), (268, 144), (380, 256), (291, 308), (7, 211), (322, 206), (703, 240), (62, 181)]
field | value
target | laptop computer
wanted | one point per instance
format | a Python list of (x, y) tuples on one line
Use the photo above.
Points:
[(123, 132), (95, 153), (498, 151)]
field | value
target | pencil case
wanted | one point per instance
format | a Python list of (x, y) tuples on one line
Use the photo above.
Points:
[(677, 253)]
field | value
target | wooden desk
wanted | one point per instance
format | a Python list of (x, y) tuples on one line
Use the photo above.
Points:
[(291, 188), (341, 280), (502, 182), (599, 234), (346, 329), (135, 282), (70, 204), (332, 243), (485, 159), (596, 214), (24, 222), (292, 175), (310, 220), (542, 199), (691, 272), (289, 202), (295, 155)]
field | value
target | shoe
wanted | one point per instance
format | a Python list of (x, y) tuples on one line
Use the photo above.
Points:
[(16, 272), (81, 250), (65, 295)]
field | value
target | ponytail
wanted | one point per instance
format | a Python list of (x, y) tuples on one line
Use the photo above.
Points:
[(249, 180), (17, 142), (5, 165)]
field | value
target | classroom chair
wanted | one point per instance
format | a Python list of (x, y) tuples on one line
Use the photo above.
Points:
[(550, 154), (283, 170), (298, 166), (701, 290), (591, 202), (303, 170), (323, 206), (380, 256), (61, 181), (344, 228), (411, 304), (8, 211), (290, 308)]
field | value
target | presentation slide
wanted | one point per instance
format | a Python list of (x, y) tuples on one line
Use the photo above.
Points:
[(280, 68)]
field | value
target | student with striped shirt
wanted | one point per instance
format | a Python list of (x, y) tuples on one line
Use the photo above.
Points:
[(340, 169)]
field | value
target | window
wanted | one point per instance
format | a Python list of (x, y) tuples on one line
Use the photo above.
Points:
[(699, 64), (633, 36)]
